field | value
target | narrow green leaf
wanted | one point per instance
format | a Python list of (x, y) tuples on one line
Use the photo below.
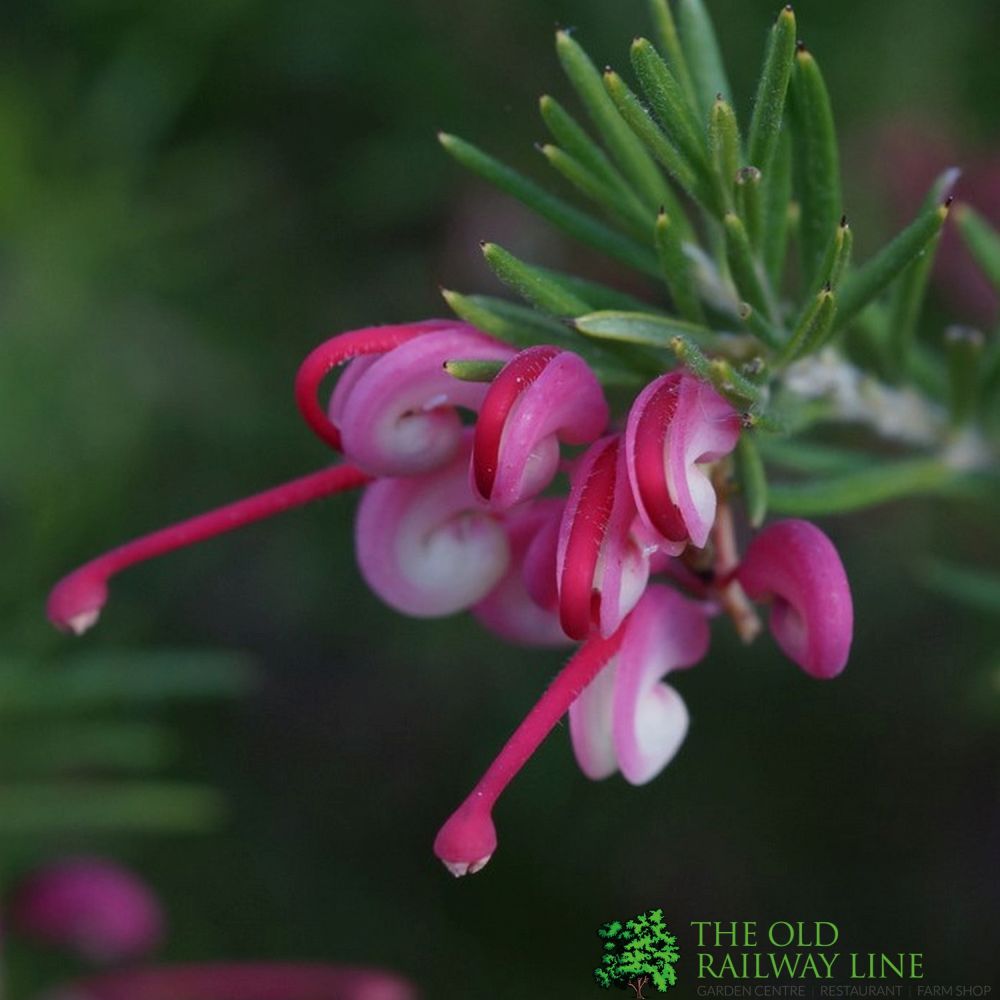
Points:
[(777, 200), (634, 161), (816, 159), (761, 327), (702, 49), (642, 124), (813, 457), (753, 479), (718, 371), (473, 371), (625, 207), (885, 482), (649, 329), (742, 264), (982, 240), (677, 270), (571, 220), (837, 258), (569, 134), (596, 295), (748, 203), (119, 807), (769, 107), (532, 284), (812, 329), (906, 304), (725, 146), (524, 327), (964, 346), (669, 103), (666, 34), (977, 588), (865, 283)]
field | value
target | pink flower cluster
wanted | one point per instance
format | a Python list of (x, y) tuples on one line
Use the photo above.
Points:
[(631, 561)]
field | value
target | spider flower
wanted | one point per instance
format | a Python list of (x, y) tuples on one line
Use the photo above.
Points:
[(541, 396), (675, 426), (795, 566), (90, 906)]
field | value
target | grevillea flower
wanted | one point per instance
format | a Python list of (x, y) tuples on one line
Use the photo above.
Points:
[(90, 906), (628, 719), (676, 425), (243, 981), (795, 566), (542, 396), (601, 567), (426, 545)]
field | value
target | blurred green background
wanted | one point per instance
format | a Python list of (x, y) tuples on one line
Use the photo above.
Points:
[(192, 195)]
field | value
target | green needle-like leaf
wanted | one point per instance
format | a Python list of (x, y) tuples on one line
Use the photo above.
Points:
[(525, 327), (813, 457), (473, 371), (571, 220), (666, 33), (725, 146), (649, 329), (670, 104), (761, 327), (634, 161), (769, 106), (836, 259), (866, 488), (703, 56), (569, 134), (904, 311), (119, 807), (864, 284), (621, 205), (964, 346), (753, 479), (817, 161), (982, 240), (677, 270), (533, 284), (777, 199), (748, 203), (812, 329), (641, 122), (738, 389), (742, 264)]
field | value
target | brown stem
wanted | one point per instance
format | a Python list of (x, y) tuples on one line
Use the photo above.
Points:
[(732, 597)]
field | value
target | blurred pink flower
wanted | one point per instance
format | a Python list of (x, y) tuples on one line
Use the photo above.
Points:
[(90, 906)]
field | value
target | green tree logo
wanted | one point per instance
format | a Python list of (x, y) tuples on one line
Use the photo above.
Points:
[(637, 954)]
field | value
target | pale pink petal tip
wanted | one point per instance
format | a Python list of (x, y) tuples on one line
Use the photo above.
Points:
[(93, 907), (796, 566), (466, 842)]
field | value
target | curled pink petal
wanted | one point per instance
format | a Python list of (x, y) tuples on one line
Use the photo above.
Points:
[(509, 609), (243, 981), (397, 416), (90, 906), (676, 423), (426, 545), (627, 718), (601, 569), (666, 632), (372, 340), (541, 396), (795, 565)]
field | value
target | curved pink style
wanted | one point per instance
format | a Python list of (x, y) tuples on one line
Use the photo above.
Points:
[(95, 908), (628, 719), (677, 423), (601, 569), (510, 609), (795, 565), (542, 396), (396, 413), (75, 602), (468, 839), (242, 981), (340, 349), (426, 545)]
